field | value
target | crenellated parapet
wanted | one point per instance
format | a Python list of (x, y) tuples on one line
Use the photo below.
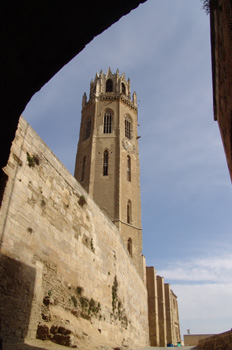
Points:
[(111, 86)]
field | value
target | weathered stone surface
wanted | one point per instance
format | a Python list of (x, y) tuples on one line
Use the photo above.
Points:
[(46, 300), (64, 330), (75, 312), (43, 332), (221, 341), (46, 316), (16, 297), (62, 339), (54, 329), (78, 278)]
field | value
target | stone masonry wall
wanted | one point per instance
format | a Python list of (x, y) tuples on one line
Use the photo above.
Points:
[(62, 259), (161, 311), (222, 341), (153, 314), (193, 339)]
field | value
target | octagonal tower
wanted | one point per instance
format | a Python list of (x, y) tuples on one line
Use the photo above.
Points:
[(107, 161)]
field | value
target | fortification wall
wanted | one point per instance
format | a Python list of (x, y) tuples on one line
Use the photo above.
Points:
[(193, 339), (217, 341), (62, 260)]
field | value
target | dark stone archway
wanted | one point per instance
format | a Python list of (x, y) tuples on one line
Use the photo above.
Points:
[(37, 39)]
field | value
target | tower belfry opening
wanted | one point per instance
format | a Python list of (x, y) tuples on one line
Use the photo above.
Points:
[(108, 152)]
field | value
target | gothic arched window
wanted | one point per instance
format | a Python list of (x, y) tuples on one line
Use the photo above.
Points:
[(129, 212), (105, 163), (107, 129), (87, 129), (128, 128), (109, 85), (128, 168), (129, 246), (123, 89), (83, 169)]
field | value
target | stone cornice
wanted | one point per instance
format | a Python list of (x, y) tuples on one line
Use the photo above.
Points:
[(111, 97)]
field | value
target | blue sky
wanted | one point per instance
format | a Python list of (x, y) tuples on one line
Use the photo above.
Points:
[(164, 48)]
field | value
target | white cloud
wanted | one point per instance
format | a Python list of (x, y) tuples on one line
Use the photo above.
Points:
[(203, 301), (204, 309), (204, 292), (215, 269)]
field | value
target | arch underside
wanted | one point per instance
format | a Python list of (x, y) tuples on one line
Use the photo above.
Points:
[(30, 58)]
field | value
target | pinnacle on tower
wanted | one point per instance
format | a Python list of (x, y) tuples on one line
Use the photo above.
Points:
[(109, 73)]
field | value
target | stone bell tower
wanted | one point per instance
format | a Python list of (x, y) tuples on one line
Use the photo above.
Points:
[(107, 161)]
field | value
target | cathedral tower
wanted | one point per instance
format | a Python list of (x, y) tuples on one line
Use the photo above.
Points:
[(107, 161)]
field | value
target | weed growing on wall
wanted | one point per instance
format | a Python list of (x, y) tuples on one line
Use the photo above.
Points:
[(74, 300), (114, 294), (118, 312), (208, 5), (32, 160), (89, 307), (79, 290)]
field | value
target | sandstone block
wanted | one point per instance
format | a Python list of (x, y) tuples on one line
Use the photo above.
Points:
[(64, 330), (62, 339), (43, 332)]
